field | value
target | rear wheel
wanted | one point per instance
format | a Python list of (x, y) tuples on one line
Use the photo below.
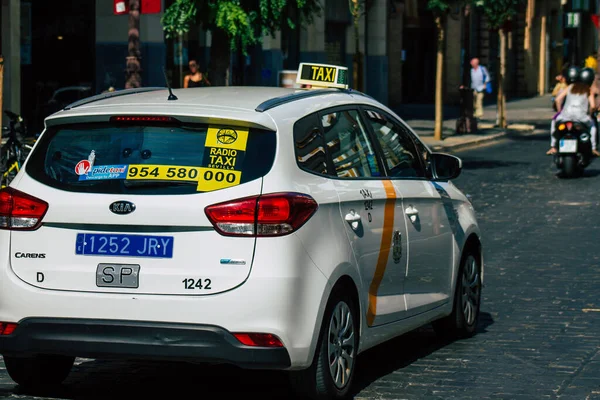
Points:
[(467, 301), (331, 373), (569, 167), (39, 370)]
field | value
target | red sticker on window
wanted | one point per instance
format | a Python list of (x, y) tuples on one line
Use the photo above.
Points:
[(83, 167)]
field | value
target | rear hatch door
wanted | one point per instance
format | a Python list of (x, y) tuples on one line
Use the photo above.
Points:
[(126, 206)]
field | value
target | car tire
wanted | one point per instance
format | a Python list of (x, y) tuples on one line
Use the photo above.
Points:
[(317, 381), (462, 323), (39, 370)]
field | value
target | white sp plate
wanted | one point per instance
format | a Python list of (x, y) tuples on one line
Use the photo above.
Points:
[(567, 146)]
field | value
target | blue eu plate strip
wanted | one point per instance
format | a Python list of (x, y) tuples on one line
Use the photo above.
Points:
[(88, 244)]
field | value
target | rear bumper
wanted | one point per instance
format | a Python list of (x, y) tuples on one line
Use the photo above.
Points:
[(138, 340)]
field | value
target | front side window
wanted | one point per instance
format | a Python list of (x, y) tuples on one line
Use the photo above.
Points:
[(349, 146), (399, 151)]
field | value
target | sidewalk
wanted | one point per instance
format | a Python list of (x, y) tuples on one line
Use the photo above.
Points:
[(523, 115)]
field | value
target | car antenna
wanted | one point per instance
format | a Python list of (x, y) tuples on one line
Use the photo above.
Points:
[(171, 95)]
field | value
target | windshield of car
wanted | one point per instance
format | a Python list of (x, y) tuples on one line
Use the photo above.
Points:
[(150, 159)]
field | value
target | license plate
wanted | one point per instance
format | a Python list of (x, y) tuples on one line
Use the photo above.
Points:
[(97, 244), (568, 146), (118, 275)]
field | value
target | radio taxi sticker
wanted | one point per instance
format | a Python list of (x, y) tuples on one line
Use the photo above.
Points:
[(229, 138), (224, 151)]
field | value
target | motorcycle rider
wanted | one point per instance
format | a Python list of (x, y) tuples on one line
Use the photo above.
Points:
[(578, 102)]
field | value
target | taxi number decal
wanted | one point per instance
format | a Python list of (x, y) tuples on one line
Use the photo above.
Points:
[(208, 179), (201, 284), (214, 179), (163, 172)]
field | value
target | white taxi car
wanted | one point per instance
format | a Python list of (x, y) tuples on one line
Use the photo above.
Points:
[(268, 228)]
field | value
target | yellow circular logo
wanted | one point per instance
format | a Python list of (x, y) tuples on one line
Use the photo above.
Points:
[(227, 136)]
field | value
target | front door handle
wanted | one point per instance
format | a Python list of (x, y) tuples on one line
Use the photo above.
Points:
[(354, 218), (412, 213)]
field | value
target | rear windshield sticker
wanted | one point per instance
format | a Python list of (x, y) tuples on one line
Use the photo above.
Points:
[(99, 172), (225, 148), (220, 158), (228, 138), (208, 179), (215, 179), (84, 166), (162, 172)]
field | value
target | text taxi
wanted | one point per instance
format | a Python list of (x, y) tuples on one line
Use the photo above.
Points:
[(263, 227)]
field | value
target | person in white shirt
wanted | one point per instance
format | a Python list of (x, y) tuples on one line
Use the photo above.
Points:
[(479, 79)]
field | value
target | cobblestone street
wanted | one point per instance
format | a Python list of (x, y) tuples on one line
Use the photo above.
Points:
[(539, 333)]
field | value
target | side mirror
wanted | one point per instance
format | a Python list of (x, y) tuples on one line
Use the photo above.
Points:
[(445, 166)]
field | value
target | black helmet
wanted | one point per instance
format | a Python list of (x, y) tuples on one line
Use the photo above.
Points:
[(587, 76), (572, 75)]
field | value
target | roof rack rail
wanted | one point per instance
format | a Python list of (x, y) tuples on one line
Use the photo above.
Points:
[(288, 98), (109, 95)]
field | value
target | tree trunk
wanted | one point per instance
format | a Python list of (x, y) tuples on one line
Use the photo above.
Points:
[(133, 77), (501, 96), (439, 78), (357, 62), (543, 47), (220, 58)]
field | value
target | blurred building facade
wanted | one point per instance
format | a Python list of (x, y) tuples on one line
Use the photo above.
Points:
[(51, 44)]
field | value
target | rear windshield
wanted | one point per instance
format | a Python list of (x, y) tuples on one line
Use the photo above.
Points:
[(150, 159)]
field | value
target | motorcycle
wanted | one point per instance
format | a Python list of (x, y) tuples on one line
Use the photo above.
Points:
[(574, 148)]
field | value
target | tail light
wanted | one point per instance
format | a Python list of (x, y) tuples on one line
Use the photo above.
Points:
[(569, 125), (258, 339), (274, 214), (6, 328), (20, 211)]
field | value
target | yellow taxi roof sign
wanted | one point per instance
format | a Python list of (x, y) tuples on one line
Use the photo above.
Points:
[(322, 75)]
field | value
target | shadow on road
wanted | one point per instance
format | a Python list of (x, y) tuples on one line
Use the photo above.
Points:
[(102, 379), (519, 137), (479, 163), (403, 351)]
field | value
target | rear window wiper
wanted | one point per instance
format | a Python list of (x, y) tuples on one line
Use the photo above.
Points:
[(154, 183)]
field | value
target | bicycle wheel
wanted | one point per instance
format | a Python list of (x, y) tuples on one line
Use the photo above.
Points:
[(9, 171)]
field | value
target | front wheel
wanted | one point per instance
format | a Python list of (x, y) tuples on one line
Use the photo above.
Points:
[(330, 375), (467, 301), (39, 370)]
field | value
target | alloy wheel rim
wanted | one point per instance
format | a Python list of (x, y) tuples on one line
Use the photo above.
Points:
[(341, 345), (471, 290)]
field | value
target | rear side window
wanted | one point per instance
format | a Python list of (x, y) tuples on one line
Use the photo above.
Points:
[(349, 144), (150, 159), (310, 145)]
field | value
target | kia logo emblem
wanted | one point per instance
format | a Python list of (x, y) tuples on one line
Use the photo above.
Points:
[(122, 207)]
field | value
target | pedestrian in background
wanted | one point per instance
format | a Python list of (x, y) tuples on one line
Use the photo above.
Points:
[(480, 83), (195, 78)]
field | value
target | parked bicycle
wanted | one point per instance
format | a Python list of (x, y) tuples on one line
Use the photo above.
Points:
[(16, 149)]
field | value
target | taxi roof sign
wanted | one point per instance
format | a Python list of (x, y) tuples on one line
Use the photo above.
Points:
[(323, 75)]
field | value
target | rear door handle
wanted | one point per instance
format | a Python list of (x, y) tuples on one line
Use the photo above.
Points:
[(412, 213), (354, 218)]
